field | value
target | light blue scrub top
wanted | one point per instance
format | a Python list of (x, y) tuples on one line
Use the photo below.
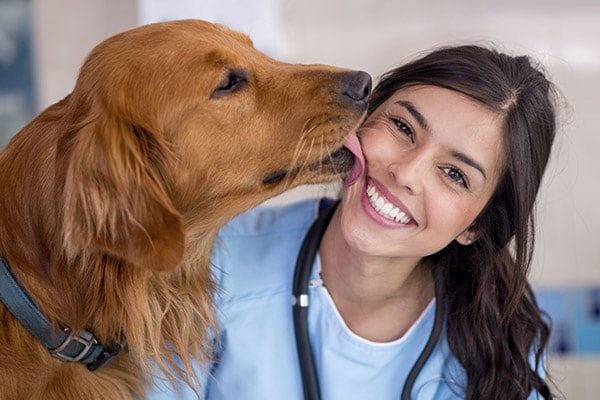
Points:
[(255, 258)]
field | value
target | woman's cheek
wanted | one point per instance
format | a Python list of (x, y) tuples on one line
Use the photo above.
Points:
[(379, 147)]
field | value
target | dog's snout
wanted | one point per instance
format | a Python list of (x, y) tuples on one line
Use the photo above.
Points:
[(358, 87)]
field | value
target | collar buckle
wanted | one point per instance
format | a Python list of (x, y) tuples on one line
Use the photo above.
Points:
[(78, 346)]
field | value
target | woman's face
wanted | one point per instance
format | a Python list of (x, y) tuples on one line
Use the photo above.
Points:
[(433, 159)]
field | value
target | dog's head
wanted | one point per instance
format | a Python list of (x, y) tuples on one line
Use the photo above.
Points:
[(179, 126)]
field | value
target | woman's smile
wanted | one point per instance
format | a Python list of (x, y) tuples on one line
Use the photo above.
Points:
[(380, 203)]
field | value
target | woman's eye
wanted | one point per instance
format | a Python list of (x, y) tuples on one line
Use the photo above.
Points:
[(404, 128), (456, 176)]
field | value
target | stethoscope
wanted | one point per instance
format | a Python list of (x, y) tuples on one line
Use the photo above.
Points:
[(306, 257)]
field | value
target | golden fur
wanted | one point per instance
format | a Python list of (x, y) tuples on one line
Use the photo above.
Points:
[(112, 197)]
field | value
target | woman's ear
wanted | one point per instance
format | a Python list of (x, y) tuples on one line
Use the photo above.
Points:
[(468, 236)]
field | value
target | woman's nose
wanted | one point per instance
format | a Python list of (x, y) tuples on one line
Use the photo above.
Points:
[(409, 172)]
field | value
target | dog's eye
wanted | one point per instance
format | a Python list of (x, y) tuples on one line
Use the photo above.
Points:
[(232, 82)]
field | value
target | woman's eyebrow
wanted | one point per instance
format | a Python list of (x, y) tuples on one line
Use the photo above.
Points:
[(469, 161), (421, 120), (415, 113)]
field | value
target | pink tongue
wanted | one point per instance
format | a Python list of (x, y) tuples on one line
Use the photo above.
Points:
[(353, 145)]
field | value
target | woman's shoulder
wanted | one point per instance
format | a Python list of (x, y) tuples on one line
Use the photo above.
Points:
[(255, 254)]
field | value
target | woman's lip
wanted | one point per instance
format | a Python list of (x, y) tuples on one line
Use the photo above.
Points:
[(390, 198), (353, 144)]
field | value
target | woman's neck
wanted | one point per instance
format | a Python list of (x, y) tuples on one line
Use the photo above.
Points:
[(379, 298)]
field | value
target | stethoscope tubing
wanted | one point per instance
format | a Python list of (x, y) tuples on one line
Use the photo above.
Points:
[(306, 257), (304, 262), (436, 331)]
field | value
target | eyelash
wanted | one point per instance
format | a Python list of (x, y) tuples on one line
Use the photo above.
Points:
[(450, 172), (405, 128), (462, 179)]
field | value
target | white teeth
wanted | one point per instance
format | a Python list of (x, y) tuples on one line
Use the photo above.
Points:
[(384, 208), (387, 207)]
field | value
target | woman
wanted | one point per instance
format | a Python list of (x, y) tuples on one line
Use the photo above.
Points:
[(419, 287)]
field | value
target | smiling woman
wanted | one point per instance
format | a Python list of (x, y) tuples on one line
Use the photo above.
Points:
[(418, 274), (437, 170)]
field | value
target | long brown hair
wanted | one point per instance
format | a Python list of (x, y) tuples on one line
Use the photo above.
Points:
[(494, 326)]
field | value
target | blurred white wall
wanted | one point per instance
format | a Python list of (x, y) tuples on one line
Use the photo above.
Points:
[(375, 35), (65, 31)]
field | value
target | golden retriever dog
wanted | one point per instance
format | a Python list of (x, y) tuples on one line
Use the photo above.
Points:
[(111, 199)]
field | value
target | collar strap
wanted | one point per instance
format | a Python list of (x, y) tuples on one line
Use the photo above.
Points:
[(62, 344)]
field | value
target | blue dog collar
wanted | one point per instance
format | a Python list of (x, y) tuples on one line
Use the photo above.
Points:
[(62, 344)]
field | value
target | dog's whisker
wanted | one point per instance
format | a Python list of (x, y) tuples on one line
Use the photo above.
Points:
[(308, 154), (321, 148), (303, 164), (300, 145), (301, 142), (299, 148), (295, 161), (306, 129)]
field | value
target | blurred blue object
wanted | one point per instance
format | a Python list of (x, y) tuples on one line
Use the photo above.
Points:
[(17, 80), (575, 316)]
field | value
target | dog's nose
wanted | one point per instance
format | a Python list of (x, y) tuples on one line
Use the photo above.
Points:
[(358, 87)]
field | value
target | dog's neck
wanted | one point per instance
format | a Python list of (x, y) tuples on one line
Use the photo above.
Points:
[(112, 299), (62, 343)]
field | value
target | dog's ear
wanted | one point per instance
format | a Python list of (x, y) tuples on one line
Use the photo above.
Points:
[(115, 200)]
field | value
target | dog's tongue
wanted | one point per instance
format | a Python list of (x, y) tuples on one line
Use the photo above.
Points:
[(353, 145)]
